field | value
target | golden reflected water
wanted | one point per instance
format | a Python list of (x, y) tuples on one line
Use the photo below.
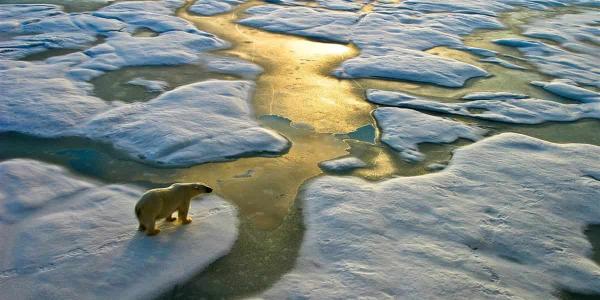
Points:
[(296, 85), (296, 82)]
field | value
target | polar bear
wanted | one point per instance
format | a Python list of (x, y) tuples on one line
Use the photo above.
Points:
[(161, 203)]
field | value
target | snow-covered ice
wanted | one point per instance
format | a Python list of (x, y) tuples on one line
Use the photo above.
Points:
[(568, 89), (503, 63), (519, 111), (391, 41), (404, 129), (389, 34), (68, 238), (196, 123), (43, 27), (575, 58), (214, 7), (411, 65), (558, 62), (493, 96), (201, 122), (503, 221), (150, 85), (344, 164), (299, 20)]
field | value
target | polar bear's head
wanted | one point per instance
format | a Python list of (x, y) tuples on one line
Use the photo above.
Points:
[(195, 188)]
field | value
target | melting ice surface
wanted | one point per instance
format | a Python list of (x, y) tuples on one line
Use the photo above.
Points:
[(228, 80)]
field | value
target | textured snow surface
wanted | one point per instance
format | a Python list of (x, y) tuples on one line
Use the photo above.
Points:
[(391, 41), (575, 58), (150, 85), (67, 238), (411, 65), (306, 21), (387, 35), (568, 89), (43, 27), (519, 111), (344, 164), (403, 129), (493, 96), (196, 123), (213, 7), (503, 221), (201, 122)]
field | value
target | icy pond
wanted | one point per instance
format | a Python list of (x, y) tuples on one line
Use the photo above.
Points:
[(358, 149)]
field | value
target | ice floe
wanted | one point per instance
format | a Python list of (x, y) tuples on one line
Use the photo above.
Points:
[(53, 98), (575, 57), (503, 221), (306, 21), (404, 129), (201, 122), (196, 123), (169, 48), (568, 89), (519, 111), (503, 63), (387, 35), (558, 62), (344, 164), (65, 238), (150, 85), (411, 65), (493, 96), (42, 27), (214, 7), (391, 43)]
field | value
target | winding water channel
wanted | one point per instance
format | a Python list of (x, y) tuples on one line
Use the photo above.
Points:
[(324, 118)]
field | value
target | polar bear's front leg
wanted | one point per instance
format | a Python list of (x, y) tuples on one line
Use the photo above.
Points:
[(182, 212)]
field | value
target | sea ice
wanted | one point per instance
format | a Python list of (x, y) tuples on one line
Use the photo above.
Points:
[(150, 85), (411, 65), (503, 63), (560, 62), (344, 164), (568, 89), (305, 21), (201, 122), (404, 129), (503, 221), (518, 111), (214, 7), (493, 96), (391, 42), (53, 98), (196, 123), (68, 238)]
